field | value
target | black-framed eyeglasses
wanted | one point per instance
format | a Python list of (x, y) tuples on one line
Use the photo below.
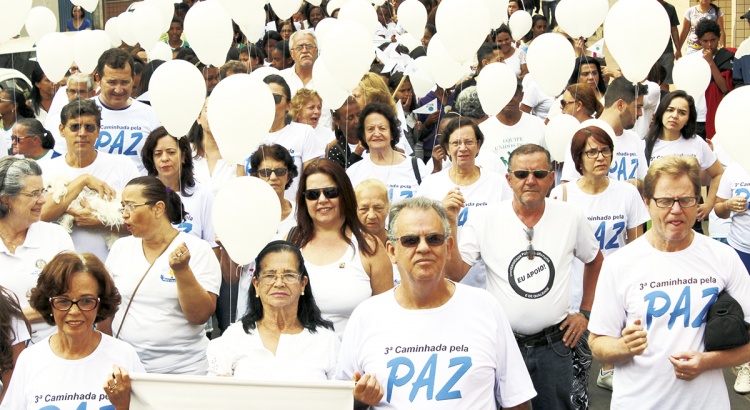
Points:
[(564, 103), (301, 47), (524, 173), (131, 207), (411, 241), (685, 202), (17, 138), (266, 172), (77, 127), (314, 194), (530, 248), (277, 98), (271, 278), (64, 304), (594, 153), (35, 195)]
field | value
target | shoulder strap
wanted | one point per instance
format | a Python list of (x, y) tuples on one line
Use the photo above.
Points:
[(416, 170), (565, 192), (291, 233)]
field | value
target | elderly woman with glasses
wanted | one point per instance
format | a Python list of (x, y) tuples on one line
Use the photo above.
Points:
[(283, 335), (28, 244), (68, 369)]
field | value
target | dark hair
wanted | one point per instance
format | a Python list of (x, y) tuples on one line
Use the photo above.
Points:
[(308, 312), (283, 47), (57, 276), (114, 58), (254, 51), (485, 52), (385, 111), (456, 124), (270, 35), (187, 177), (601, 86), (177, 20), (148, 72), (393, 84), (83, 12), (19, 100), (623, 89), (181, 7), (78, 108), (420, 51), (706, 25), (656, 129), (527, 149), (277, 152), (9, 310), (37, 75), (502, 29), (155, 191), (581, 137), (534, 19), (347, 206), (12, 172), (233, 67), (36, 129), (311, 8), (277, 79)]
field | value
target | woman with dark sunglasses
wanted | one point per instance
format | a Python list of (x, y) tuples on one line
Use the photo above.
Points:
[(346, 264), (300, 139)]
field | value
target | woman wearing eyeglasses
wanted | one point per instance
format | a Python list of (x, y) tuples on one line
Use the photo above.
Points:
[(77, 367), (12, 107), (33, 141), (616, 213), (28, 244), (299, 139), (168, 279), (346, 264), (283, 335), (579, 100), (672, 132)]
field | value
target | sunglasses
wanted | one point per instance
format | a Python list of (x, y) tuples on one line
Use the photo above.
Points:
[(277, 98), (314, 194), (523, 174), (411, 241), (530, 248), (77, 127), (266, 172)]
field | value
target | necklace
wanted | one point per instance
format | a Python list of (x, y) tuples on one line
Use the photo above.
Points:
[(12, 245)]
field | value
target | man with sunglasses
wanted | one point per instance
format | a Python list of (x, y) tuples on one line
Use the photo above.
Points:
[(528, 245), (84, 167), (649, 313), (430, 343)]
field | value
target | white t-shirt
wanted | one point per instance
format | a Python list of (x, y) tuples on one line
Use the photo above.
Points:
[(19, 272), (223, 173), (534, 97), (115, 170), (534, 293), (156, 325), (628, 159), (691, 147), (736, 182), (325, 134), (693, 15), (48, 156), (516, 60), (670, 293), (490, 188), (43, 380), (500, 140), (52, 121), (400, 178), (199, 220), (124, 131), (611, 213), (305, 356), (441, 358), (650, 102)]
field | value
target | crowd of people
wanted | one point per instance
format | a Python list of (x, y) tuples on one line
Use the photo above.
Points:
[(439, 258)]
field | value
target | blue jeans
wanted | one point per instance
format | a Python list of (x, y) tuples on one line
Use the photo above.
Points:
[(548, 10), (551, 371), (745, 259)]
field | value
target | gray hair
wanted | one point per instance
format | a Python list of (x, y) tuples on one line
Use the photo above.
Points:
[(78, 108), (468, 105), (82, 78), (12, 172), (527, 149), (305, 32), (419, 202)]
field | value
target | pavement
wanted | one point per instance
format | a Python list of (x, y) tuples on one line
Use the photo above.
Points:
[(599, 398)]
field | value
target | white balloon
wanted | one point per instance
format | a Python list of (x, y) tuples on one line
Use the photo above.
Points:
[(315, 2), (209, 30), (147, 23), (349, 51), (551, 60), (360, 11), (54, 52), (420, 77), (649, 20), (111, 28), (89, 5), (178, 91), (463, 26), (503, 6), (558, 133), (40, 21), (333, 5), (166, 9), (87, 48), (496, 85), (125, 30), (246, 204), (581, 18), (322, 29), (15, 13), (520, 24), (692, 74), (285, 8), (240, 113), (443, 68), (261, 73), (413, 17), (731, 124), (495, 13), (161, 51), (329, 91), (408, 41), (253, 24), (378, 2)]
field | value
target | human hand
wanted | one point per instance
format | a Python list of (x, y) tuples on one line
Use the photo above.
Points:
[(117, 388), (438, 154), (687, 365), (105, 191), (737, 204), (453, 203), (574, 325), (431, 119), (708, 56), (367, 389), (179, 258), (84, 218), (635, 338), (703, 211), (677, 54)]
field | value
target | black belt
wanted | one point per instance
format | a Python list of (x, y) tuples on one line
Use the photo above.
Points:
[(547, 336)]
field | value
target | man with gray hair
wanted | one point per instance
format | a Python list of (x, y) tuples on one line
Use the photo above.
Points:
[(79, 85), (398, 347), (468, 105), (303, 46)]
